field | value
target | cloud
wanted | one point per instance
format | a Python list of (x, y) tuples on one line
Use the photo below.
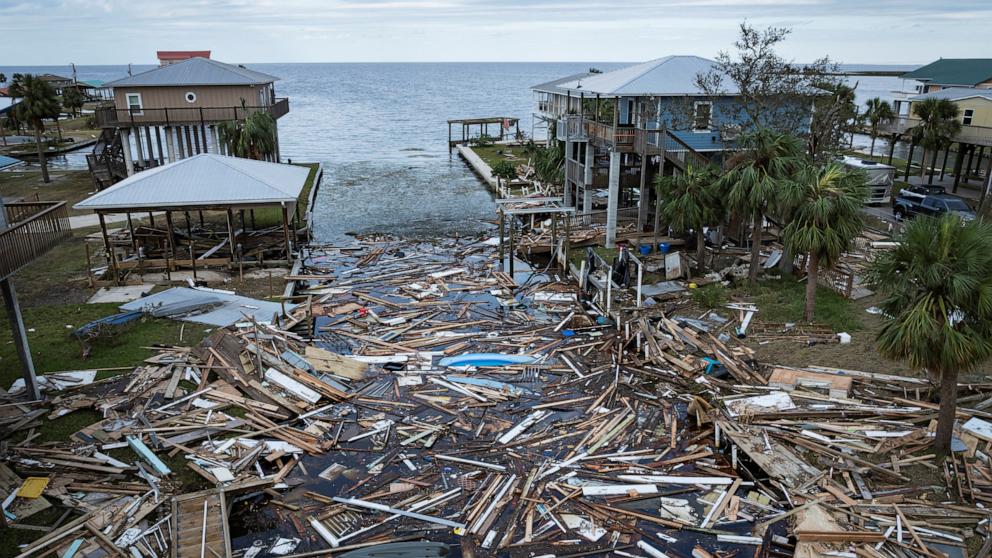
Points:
[(107, 31)]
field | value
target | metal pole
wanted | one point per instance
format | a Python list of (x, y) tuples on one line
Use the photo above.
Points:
[(511, 245), (20, 338), (230, 232), (502, 228)]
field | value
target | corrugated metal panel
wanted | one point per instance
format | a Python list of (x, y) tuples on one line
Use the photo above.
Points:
[(954, 71), (195, 71), (955, 94), (204, 180), (671, 75), (232, 308)]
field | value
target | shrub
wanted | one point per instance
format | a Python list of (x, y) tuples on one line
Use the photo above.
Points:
[(710, 296)]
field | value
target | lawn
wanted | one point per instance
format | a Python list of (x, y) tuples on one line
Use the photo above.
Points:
[(784, 300), (491, 154), (54, 348), (272, 216), (71, 186)]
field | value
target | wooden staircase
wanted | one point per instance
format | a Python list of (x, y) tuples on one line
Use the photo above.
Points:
[(684, 155), (106, 162)]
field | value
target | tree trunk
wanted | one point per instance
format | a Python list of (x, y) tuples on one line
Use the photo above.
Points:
[(752, 272), (700, 251), (945, 416), (41, 156), (785, 265), (871, 151), (811, 274), (58, 127), (3, 132), (923, 165)]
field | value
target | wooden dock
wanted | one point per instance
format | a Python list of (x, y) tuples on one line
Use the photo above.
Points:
[(200, 525)]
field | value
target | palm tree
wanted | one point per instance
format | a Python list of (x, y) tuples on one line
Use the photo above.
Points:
[(827, 218), (754, 177), (72, 100), (938, 125), (937, 284), (549, 163), (38, 102), (691, 201), (253, 137), (877, 112)]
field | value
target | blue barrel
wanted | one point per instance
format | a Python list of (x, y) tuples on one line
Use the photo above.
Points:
[(645, 249), (664, 247)]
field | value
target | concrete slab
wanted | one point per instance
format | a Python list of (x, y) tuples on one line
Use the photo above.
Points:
[(208, 275), (126, 293), (264, 273)]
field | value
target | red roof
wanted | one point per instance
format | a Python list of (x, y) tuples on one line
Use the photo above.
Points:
[(182, 54)]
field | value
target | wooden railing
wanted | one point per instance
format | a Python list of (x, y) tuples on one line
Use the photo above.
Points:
[(112, 117), (33, 229)]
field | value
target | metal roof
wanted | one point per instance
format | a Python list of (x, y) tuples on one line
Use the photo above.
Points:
[(954, 71), (223, 308), (555, 85), (668, 76), (6, 161), (955, 94), (204, 180), (8, 103), (195, 71)]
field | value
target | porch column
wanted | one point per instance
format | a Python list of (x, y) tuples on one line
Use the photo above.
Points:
[(214, 138), (971, 158), (285, 232), (587, 184), (613, 200), (276, 132), (568, 176), (20, 338), (126, 148), (644, 199), (170, 143), (138, 149)]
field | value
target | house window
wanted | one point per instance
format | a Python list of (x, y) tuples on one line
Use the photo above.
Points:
[(134, 103), (701, 116), (968, 115)]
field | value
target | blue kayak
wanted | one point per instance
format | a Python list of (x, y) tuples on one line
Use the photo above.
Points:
[(486, 359)]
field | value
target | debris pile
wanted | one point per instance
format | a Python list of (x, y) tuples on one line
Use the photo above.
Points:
[(414, 392)]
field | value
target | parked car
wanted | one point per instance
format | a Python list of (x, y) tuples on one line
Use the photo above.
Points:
[(911, 203)]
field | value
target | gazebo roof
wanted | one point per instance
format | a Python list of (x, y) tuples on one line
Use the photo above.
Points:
[(203, 181)]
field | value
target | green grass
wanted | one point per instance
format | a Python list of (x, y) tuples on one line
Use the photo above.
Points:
[(272, 216), (491, 154), (784, 300), (71, 186), (710, 296), (53, 348)]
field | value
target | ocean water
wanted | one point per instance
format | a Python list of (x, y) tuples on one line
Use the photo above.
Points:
[(380, 131)]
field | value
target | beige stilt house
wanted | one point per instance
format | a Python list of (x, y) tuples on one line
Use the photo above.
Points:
[(172, 112)]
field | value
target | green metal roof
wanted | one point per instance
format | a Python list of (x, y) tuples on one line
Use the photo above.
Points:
[(954, 71)]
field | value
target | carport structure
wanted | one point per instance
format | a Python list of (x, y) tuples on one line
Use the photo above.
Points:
[(205, 182)]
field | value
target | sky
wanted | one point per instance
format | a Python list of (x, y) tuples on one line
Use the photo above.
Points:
[(57, 32)]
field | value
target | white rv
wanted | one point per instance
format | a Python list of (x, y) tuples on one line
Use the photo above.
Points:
[(880, 177)]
